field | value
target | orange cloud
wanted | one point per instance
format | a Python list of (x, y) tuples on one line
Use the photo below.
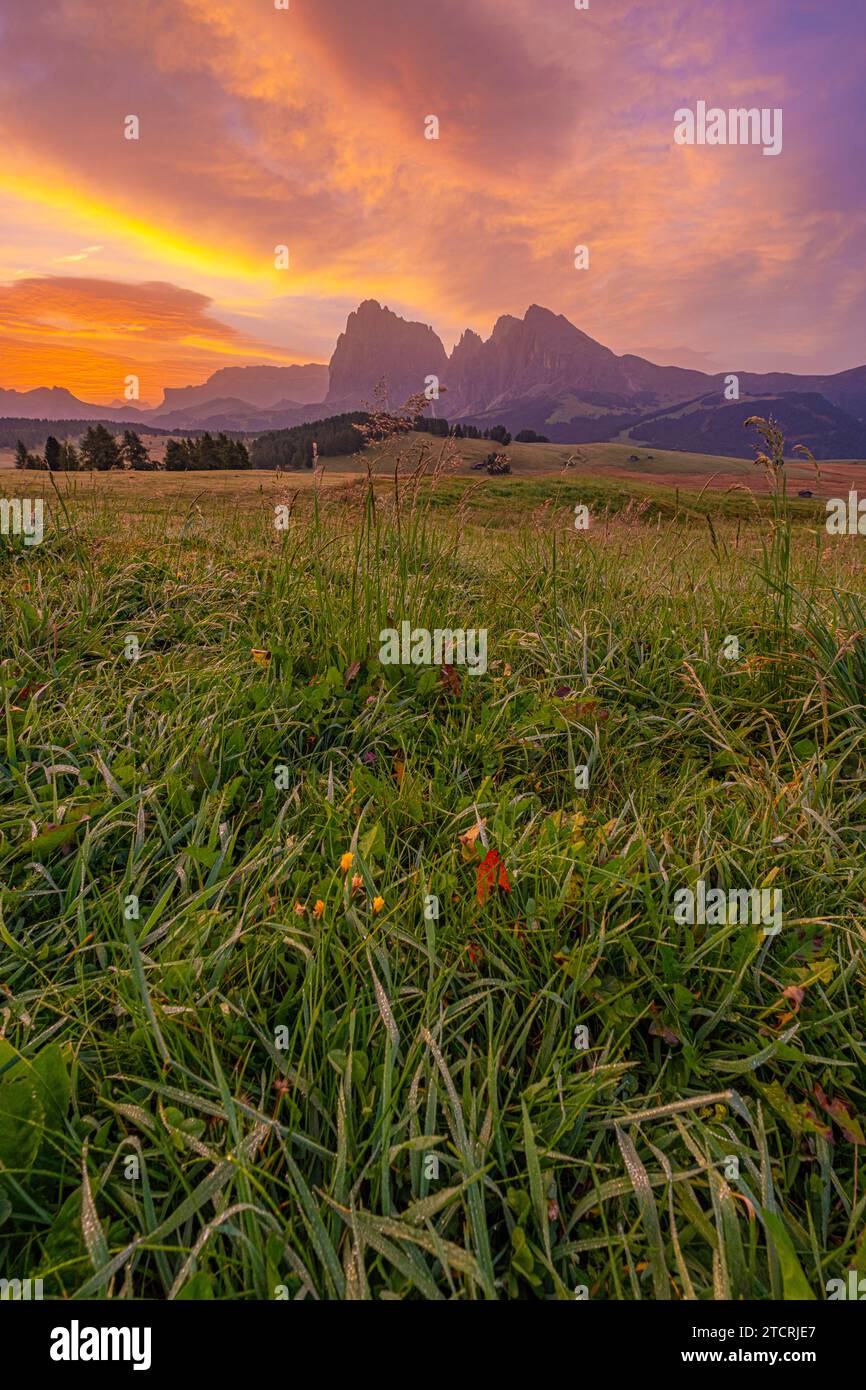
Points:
[(90, 335)]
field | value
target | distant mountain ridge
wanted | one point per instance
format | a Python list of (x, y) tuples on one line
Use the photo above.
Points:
[(56, 403), (233, 398), (539, 372), (263, 387)]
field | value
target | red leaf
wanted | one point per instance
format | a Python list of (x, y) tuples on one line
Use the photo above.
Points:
[(489, 873), (35, 689)]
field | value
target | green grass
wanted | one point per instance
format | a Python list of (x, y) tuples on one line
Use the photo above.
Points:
[(281, 1079)]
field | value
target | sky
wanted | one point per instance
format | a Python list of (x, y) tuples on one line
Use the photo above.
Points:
[(304, 127)]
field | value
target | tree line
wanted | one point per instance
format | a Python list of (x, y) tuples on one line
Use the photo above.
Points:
[(100, 452), (299, 446), (35, 432), (497, 434), (205, 453)]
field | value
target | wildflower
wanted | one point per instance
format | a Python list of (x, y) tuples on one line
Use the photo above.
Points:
[(378, 904), (346, 861), (357, 882), (299, 909), (319, 909)]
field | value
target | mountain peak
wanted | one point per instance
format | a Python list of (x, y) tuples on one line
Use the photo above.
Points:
[(378, 345), (504, 325), (538, 311)]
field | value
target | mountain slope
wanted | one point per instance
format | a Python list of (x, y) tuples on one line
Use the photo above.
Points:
[(714, 426)]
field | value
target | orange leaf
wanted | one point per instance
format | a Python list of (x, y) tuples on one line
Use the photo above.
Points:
[(469, 836), (468, 847)]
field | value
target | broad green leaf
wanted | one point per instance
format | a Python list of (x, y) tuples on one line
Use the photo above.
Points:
[(794, 1281), (22, 1120), (52, 1081)]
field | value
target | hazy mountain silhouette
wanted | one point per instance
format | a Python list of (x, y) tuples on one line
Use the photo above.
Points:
[(56, 403), (264, 387)]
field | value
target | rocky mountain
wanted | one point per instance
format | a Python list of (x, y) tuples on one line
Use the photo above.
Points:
[(543, 355), (378, 345), (541, 372), (253, 397), (227, 413)]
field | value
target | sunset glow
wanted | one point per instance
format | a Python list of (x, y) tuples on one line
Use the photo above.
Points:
[(305, 127)]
